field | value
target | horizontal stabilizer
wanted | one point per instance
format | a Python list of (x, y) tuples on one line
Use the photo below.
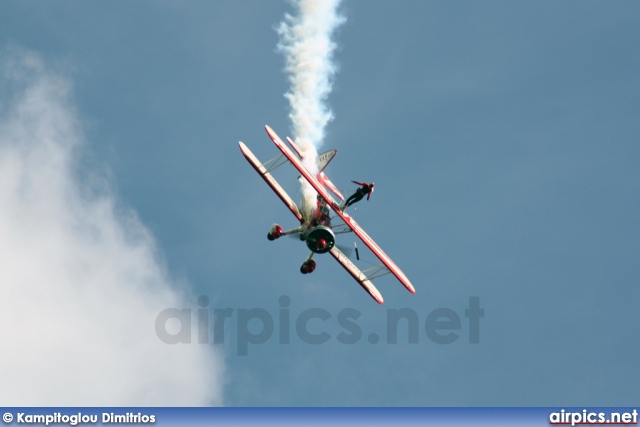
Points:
[(295, 147), (324, 179)]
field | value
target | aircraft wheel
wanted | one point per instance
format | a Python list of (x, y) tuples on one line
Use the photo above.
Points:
[(308, 266), (312, 266)]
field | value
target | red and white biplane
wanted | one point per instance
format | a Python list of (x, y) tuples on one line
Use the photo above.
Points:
[(316, 228)]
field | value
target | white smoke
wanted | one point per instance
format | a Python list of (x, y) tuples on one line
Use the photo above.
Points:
[(80, 280), (305, 39)]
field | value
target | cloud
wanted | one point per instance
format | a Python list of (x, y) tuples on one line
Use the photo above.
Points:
[(81, 280)]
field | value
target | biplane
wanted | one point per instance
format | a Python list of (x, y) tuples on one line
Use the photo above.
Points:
[(317, 227)]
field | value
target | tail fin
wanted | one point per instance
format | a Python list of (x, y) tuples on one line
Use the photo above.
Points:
[(322, 162), (325, 158)]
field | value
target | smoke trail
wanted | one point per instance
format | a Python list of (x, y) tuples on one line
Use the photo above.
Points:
[(305, 40)]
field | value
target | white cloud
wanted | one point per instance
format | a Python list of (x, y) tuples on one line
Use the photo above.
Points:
[(81, 283)]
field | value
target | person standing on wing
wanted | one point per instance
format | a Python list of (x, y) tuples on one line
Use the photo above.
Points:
[(364, 190)]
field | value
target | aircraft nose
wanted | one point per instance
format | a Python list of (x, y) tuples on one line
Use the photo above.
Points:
[(321, 244)]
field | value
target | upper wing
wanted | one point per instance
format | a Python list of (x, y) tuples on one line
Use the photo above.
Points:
[(264, 173), (356, 274), (350, 222)]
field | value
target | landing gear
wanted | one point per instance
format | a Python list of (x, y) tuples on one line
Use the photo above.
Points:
[(274, 232), (308, 266)]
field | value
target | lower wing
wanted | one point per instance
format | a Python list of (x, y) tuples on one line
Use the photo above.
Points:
[(360, 277)]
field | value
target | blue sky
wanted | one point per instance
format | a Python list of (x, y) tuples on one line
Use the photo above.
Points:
[(503, 141)]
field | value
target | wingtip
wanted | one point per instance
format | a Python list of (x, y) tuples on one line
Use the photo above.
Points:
[(408, 285), (274, 136), (378, 297)]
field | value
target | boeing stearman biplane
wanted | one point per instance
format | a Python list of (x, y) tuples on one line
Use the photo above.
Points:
[(316, 228)]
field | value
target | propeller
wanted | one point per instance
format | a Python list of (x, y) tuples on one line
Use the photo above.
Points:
[(347, 250)]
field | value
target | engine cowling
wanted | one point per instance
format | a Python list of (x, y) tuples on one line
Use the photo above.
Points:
[(274, 232), (320, 239)]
